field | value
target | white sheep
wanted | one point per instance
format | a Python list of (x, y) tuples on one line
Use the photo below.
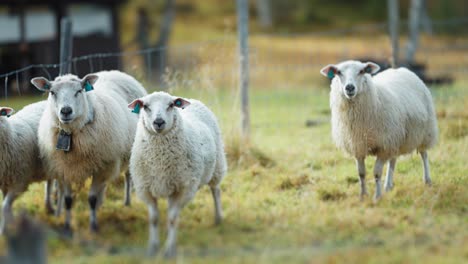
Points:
[(178, 148), (20, 164), (87, 131), (387, 115)]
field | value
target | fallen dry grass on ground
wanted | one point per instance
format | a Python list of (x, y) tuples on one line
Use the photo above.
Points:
[(290, 196)]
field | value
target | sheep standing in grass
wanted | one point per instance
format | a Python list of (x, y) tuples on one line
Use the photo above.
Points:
[(87, 131), (387, 115), (19, 155), (178, 148)]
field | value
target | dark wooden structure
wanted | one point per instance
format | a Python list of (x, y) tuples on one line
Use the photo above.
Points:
[(33, 31)]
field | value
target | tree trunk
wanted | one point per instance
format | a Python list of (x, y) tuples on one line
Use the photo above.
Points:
[(143, 29), (414, 25), (393, 27), (160, 55), (264, 13), (425, 19)]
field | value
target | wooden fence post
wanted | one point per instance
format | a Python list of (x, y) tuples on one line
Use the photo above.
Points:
[(243, 34), (65, 45)]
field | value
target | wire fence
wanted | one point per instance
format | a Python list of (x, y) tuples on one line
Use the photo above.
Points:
[(284, 68)]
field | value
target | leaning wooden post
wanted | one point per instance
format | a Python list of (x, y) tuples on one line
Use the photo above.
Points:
[(65, 45), (243, 34)]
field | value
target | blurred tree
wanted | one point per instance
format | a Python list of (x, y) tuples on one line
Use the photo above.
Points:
[(264, 13), (158, 57), (425, 19), (393, 26), (415, 15)]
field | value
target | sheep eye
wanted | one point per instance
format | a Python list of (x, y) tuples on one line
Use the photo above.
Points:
[(171, 105), (76, 94), (146, 108), (338, 72), (361, 72), (52, 93)]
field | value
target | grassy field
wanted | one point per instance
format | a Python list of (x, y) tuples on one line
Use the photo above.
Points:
[(290, 196)]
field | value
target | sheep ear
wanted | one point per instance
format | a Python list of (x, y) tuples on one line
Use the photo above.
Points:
[(329, 71), (88, 81), (136, 106), (6, 111), (181, 103), (371, 68), (41, 83)]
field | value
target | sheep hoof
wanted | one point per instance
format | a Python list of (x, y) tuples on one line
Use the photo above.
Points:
[(94, 227), (377, 198), (50, 210), (170, 252), (152, 250), (363, 195), (428, 183), (67, 230), (388, 188), (127, 203)]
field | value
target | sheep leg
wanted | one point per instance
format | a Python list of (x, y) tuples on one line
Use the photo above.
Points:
[(388, 185), (95, 199), (60, 198), (68, 194), (362, 175), (128, 188), (7, 214), (216, 192), (379, 163), (426, 175), (174, 206), (153, 212), (48, 192)]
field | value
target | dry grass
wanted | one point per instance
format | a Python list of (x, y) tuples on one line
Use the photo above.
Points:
[(290, 196)]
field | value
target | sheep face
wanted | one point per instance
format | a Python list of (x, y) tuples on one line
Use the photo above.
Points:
[(350, 77), (67, 96), (158, 111)]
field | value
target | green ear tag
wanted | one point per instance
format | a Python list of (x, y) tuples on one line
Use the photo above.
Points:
[(136, 109), (368, 69), (46, 86), (331, 74), (178, 103), (3, 113), (88, 87)]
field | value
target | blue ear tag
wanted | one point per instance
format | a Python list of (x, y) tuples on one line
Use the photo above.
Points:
[(46, 86), (4, 113), (136, 109), (178, 103), (88, 87), (368, 69), (331, 74)]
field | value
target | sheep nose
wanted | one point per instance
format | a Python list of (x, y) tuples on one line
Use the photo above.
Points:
[(66, 110), (159, 122), (350, 88)]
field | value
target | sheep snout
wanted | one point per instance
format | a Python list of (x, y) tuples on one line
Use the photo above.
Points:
[(159, 124), (350, 91), (66, 114)]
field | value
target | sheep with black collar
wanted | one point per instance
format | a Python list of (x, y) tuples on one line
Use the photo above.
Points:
[(87, 131)]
